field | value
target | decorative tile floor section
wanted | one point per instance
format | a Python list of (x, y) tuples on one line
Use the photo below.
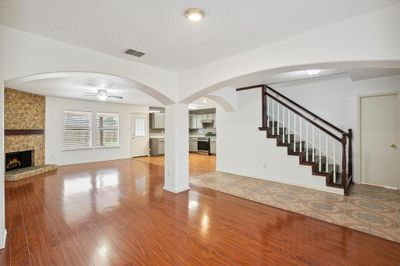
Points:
[(369, 209)]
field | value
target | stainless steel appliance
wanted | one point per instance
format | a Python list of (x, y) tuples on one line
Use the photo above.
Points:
[(203, 145)]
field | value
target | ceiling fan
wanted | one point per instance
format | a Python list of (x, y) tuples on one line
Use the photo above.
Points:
[(102, 94)]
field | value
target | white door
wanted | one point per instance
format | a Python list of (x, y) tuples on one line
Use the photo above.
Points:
[(380, 140), (139, 135)]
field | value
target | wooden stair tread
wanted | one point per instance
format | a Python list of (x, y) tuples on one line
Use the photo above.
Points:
[(272, 132)]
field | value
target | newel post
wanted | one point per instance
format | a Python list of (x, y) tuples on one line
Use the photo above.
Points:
[(264, 106), (344, 163), (350, 172)]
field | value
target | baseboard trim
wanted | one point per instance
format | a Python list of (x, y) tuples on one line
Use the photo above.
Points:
[(3, 243), (176, 190)]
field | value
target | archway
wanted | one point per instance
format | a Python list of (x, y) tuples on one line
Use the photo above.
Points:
[(163, 99), (258, 77)]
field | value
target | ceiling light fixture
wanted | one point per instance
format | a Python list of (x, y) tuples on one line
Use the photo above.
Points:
[(193, 107), (313, 72), (194, 14), (102, 94)]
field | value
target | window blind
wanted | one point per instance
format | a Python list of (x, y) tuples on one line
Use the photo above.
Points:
[(77, 129)]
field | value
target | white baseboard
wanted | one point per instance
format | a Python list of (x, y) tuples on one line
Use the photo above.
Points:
[(176, 190), (3, 242)]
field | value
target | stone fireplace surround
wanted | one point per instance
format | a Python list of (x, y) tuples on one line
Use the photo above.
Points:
[(24, 122)]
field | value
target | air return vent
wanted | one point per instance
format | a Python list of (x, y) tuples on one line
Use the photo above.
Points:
[(134, 53)]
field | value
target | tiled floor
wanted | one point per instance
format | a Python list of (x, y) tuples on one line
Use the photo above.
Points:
[(368, 209)]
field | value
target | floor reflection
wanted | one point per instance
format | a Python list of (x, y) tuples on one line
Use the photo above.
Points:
[(117, 213)]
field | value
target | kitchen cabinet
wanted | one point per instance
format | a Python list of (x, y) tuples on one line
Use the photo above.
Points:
[(213, 146), (198, 121), (193, 121), (157, 120), (193, 144), (214, 121)]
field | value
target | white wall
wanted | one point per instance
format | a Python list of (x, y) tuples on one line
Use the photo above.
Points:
[(242, 149), (336, 99), (24, 54), (54, 131)]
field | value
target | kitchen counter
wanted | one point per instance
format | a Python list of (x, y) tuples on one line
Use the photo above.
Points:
[(157, 137)]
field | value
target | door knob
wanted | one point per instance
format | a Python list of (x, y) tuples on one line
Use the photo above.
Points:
[(393, 146)]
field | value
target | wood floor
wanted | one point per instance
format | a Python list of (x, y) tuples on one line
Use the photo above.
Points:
[(116, 213)]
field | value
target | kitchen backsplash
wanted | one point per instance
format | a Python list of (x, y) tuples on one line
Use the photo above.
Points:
[(201, 131)]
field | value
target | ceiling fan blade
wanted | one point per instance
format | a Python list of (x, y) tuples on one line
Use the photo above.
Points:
[(114, 96), (89, 94)]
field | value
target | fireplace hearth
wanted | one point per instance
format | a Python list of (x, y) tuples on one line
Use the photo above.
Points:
[(17, 160)]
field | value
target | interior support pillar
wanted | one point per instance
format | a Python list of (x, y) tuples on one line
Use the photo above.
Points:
[(3, 232), (176, 176)]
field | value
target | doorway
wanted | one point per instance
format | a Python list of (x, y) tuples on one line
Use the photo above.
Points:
[(380, 137), (139, 135)]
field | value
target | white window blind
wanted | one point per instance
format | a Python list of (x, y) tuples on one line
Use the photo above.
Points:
[(107, 134), (77, 129)]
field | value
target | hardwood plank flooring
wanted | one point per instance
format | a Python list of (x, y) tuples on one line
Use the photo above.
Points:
[(116, 213)]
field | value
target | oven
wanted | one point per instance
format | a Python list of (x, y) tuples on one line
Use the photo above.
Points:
[(203, 145)]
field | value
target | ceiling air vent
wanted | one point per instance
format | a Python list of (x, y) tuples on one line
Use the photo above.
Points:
[(134, 53)]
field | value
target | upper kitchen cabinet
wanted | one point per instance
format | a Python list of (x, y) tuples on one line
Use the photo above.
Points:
[(198, 121), (214, 120), (157, 120), (193, 121)]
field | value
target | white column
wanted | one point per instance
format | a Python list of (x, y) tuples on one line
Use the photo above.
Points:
[(3, 232), (176, 176)]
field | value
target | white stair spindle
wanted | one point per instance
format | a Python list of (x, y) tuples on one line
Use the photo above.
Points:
[(289, 125), (313, 144), (283, 125), (273, 116), (301, 146), (327, 153), (306, 141), (320, 151), (268, 110), (277, 124), (334, 162), (294, 131)]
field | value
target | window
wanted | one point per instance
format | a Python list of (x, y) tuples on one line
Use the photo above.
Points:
[(107, 134), (140, 127), (77, 130)]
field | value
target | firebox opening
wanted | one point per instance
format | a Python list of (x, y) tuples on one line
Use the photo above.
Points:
[(16, 160)]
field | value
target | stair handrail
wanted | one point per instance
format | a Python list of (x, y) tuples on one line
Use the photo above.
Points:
[(265, 87), (304, 117)]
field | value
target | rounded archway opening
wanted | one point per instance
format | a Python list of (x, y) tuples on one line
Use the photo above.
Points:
[(356, 69), (79, 85)]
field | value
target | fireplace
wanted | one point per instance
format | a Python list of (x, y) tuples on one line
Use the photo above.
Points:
[(16, 160)]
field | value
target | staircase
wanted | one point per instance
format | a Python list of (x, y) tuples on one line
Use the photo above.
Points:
[(319, 144)]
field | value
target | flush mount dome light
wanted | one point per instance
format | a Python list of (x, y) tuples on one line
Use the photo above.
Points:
[(194, 14), (313, 72), (102, 94)]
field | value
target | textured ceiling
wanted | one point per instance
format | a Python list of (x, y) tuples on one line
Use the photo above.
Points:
[(158, 27)]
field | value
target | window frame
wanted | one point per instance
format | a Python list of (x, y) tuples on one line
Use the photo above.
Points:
[(95, 114)]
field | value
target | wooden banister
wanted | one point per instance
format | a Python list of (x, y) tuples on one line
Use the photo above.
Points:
[(304, 117), (306, 110), (264, 86)]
